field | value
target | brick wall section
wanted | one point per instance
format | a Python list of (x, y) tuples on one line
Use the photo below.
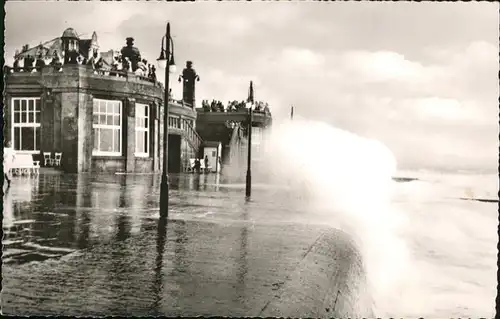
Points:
[(89, 132), (143, 165), (106, 164), (7, 118), (85, 132), (129, 144), (69, 142), (56, 123), (46, 117)]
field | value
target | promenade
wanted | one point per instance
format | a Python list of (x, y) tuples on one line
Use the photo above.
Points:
[(94, 245)]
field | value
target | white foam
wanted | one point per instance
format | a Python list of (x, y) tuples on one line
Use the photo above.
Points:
[(348, 180)]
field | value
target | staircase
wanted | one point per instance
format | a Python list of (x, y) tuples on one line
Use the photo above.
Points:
[(187, 130)]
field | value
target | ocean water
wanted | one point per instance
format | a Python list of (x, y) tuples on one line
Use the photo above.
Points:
[(428, 252), (451, 243), (72, 241)]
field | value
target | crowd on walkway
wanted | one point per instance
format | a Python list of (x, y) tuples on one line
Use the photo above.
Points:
[(233, 106)]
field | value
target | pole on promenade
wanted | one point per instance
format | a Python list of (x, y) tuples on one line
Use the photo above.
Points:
[(248, 188), (166, 61)]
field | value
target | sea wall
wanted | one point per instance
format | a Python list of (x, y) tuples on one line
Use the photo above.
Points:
[(329, 282)]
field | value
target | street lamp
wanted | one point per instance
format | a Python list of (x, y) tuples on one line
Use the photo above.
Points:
[(165, 60), (250, 101)]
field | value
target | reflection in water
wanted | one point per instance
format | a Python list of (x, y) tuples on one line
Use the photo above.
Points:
[(217, 182), (123, 225), (83, 204), (180, 262), (158, 270), (8, 214), (242, 263), (205, 181), (196, 181), (30, 232), (52, 215), (200, 265)]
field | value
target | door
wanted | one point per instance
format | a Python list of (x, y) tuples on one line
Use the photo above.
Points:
[(174, 153)]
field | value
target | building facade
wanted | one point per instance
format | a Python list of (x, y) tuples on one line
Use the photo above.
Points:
[(100, 120), (220, 126)]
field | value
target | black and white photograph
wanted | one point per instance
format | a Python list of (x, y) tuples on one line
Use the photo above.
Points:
[(250, 159)]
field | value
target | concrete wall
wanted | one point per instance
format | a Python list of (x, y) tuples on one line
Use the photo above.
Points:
[(329, 282)]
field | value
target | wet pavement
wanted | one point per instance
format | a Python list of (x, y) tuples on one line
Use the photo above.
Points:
[(94, 245)]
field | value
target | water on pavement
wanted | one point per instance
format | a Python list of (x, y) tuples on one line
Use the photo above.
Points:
[(95, 245)]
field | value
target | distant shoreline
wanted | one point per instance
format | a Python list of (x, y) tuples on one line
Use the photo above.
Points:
[(483, 200), (405, 179)]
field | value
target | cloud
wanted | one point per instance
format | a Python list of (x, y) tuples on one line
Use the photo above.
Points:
[(381, 66), (300, 57), (414, 76), (420, 110)]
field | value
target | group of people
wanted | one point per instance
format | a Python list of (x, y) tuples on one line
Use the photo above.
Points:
[(120, 65), (197, 164), (233, 106)]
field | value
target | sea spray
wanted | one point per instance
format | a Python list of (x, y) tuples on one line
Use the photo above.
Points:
[(347, 180)]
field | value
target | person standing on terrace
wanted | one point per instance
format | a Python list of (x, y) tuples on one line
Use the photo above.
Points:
[(16, 66)]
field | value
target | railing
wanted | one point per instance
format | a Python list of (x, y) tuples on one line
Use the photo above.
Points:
[(101, 72), (188, 131)]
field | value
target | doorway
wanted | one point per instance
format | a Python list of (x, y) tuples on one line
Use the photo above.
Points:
[(174, 153)]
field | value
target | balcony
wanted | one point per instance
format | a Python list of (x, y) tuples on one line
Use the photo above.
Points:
[(260, 118), (83, 77)]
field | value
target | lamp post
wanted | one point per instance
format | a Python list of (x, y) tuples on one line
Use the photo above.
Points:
[(165, 61), (248, 188)]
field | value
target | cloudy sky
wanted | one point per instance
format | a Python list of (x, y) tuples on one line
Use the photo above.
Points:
[(420, 77)]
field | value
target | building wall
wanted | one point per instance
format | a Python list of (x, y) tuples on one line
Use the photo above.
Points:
[(212, 127), (66, 116)]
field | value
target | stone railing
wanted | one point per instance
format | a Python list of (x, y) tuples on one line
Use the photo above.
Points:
[(98, 72), (180, 102)]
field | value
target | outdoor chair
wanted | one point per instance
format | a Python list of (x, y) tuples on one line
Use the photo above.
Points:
[(57, 159), (47, 157)]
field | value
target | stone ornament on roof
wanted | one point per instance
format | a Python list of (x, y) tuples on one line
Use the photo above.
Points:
[(131, 53), (189, 76), (70, 33)]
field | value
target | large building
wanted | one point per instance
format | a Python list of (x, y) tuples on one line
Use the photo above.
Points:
[(103, 110), (68, 97)]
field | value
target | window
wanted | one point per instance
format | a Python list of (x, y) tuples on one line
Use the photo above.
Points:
[(107, 126), (26, 124), (142, 130)]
